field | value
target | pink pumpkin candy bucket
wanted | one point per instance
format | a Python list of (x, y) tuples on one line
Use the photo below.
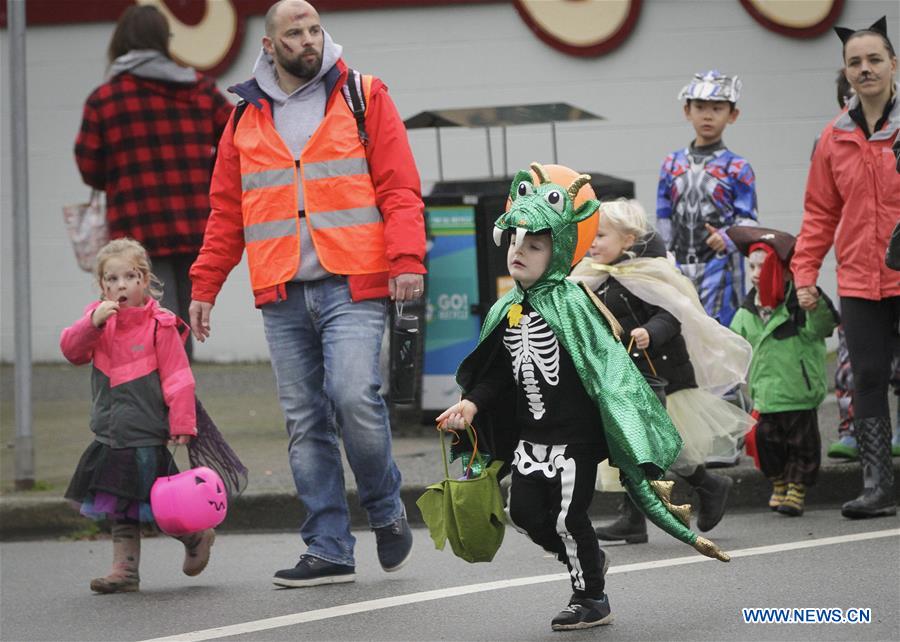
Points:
[(189, 502)]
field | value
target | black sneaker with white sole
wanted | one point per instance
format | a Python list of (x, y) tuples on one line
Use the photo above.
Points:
[(583, 613), (313, 571), (394, 543)]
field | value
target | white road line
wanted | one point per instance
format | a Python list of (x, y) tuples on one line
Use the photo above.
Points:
[(425, 596)]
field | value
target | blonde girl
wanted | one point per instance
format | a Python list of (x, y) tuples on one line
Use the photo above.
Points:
[(143, 397), (684, 354)]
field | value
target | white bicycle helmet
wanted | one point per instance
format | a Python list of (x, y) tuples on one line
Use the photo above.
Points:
[(712, 85)]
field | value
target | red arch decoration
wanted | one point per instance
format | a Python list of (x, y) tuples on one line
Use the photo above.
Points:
[(837, 6), (597, 49)]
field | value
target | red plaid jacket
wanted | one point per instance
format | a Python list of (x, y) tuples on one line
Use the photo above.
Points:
[(151, 145)]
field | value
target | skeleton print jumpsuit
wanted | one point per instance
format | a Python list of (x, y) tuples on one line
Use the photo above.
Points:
[(561, 441)]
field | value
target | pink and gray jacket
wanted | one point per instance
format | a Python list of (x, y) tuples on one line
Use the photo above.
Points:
[(142, 385)]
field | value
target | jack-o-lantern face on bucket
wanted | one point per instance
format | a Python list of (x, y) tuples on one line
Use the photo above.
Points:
[(189, 502), (213, 491)]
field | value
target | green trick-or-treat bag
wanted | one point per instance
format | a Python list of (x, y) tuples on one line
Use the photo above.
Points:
[(467, 511)]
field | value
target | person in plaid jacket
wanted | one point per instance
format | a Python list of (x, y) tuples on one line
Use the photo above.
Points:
[(148, 138)]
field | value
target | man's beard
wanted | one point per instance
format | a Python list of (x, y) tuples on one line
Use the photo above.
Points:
[(299, 67)]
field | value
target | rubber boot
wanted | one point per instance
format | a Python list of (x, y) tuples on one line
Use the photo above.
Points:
[(877, 498), (844, 448), (712, 491), (196, 551), (123, 578), (779, 490), (792, 506), (895, 442), (631, 526)]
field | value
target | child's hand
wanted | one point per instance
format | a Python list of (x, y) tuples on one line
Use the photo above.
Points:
[(715, 240), (181, 440), (641, 338), (457, 416), (808, 297), (103, 311)]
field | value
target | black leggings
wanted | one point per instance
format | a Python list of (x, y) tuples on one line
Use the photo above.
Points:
[(551, 490), (871, 331)]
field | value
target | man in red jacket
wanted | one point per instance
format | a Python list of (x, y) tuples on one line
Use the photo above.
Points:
[(326, 200)]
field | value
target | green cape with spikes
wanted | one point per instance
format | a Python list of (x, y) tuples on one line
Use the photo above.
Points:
[(641, 438)]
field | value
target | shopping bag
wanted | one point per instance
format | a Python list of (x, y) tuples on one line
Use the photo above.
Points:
[(468, 512), (87, 229)]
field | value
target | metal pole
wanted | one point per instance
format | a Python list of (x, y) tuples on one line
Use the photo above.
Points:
[(437, 131), (555, 152), (505, 153), (487, 133), (15, 11)]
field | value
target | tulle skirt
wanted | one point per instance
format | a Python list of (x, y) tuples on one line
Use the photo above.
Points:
[(114, 483), (708, 425)]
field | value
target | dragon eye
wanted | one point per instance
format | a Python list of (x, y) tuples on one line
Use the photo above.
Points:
[(525, 188), (556, 200)]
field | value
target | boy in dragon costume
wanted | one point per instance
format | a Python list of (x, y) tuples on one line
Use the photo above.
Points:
[(575, 398)]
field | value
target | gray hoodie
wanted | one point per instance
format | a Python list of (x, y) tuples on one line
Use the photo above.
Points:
[(297, 116), (149, 63)]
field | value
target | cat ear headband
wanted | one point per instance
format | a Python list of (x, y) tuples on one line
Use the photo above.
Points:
[(879, 27)]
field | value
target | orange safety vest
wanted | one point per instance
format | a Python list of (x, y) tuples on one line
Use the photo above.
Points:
[(339, 198)]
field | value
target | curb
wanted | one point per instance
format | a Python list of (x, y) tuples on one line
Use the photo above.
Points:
[(23, 517)]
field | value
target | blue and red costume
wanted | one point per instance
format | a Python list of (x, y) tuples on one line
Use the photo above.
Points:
[(711, 186)]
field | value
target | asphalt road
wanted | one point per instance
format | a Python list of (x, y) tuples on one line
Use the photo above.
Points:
[(658, 591)]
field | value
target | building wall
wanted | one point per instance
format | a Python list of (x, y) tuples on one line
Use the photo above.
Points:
[(444, 57)]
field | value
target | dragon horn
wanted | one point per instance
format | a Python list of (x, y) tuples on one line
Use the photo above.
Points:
[(577, 184), (538, 169)]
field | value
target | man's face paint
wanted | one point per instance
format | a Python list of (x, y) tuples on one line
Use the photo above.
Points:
[(297, 43)]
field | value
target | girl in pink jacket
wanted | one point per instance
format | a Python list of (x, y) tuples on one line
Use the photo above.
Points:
[(143, 397)]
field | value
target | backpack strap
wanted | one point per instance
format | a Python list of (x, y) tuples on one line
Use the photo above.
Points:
[(353, 95), (238, 112), (356, 101), (167, 318)]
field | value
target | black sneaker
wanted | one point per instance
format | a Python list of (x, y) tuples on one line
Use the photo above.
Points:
[(583, 613), (394, 543), (312, 571)]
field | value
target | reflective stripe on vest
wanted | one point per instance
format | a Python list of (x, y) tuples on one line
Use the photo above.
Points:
[(338, 194), (339, 198)]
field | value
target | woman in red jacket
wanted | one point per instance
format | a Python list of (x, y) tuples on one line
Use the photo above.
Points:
[(148, 138), (853, 202)]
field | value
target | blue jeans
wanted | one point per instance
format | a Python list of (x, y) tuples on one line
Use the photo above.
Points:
[(325, 351)]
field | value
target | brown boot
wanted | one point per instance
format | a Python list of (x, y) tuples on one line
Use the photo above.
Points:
[(196, 551), (124, 577)]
